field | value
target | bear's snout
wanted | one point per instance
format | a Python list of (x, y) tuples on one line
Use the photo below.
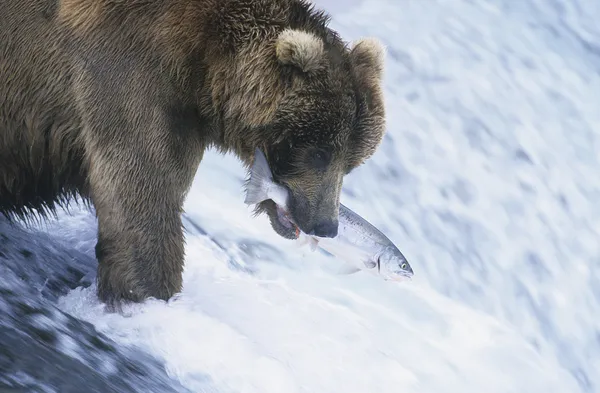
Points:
[(328, 228)]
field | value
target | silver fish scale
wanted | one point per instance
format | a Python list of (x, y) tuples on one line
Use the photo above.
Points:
[(359, 232)]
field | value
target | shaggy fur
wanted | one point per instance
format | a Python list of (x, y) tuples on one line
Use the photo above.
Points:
[(296, 47), (116, 101)]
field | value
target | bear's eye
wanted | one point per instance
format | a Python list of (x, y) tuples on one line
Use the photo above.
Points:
[(320, 158)]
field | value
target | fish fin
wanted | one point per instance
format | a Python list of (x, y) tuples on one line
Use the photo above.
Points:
[(371, 264), (260, 176), (347, 269), (304, 239)]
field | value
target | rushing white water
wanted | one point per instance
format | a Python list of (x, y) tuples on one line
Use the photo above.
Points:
[(488, 183)]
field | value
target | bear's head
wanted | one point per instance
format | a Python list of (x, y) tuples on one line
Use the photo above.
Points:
[(329, 122), (313, 105)]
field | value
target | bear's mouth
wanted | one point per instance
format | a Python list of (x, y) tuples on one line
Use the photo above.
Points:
[(281, 220), (286, 220)]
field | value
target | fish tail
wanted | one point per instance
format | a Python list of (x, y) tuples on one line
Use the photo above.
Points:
[(260, 177)]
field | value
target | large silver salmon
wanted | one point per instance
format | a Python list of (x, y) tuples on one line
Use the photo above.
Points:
[(358, 243)]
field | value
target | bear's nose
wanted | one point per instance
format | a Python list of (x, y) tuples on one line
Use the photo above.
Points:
[(325, 229)]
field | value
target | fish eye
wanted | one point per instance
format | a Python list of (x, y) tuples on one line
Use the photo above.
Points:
[(403, 266)]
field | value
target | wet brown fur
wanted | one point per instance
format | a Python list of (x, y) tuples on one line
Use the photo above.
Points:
[(116, 100)]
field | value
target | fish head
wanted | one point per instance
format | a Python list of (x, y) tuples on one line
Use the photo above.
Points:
[(393, 266)]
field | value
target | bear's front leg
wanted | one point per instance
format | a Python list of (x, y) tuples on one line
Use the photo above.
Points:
[(143, 139), (140, 248), (138, 190)]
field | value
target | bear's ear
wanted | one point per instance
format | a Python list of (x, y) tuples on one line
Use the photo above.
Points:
[(301, 49), (367, 56)]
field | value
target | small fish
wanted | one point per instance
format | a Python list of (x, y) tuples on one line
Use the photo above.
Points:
[(358, 243)]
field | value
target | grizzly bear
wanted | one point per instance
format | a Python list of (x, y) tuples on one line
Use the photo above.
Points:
[(116, 101)]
